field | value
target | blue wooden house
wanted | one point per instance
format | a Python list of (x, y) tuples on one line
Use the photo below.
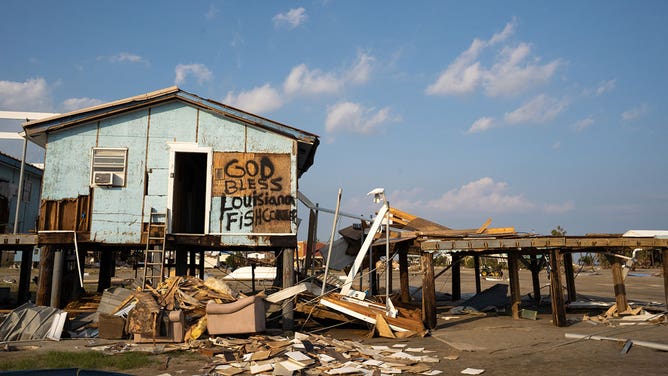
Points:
[(216, 176)]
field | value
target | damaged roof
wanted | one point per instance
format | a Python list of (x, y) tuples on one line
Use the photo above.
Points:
[(37, 130)]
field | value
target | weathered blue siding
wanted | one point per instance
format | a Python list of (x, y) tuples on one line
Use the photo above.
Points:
[(149, 136)]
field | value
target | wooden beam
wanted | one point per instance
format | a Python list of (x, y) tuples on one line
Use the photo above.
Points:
[(311, 239), (570, 277), (514, 276), (403, 273), (484, 226), (428, 291), (618, 282), (571, 242), (556, 291)]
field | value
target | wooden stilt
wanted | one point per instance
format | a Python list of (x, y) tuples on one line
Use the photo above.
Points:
[(24, 276), (456, 277), (403, 274), (570, 277), (200, 266), (192, 263), (107, 265), (556, 290), (57, 277), (618, 282), (310, 242), (665, 275), (513, 274), (535, 279), (43, 297), (181, 261), (428, 291), (476, 271), (288, 280)]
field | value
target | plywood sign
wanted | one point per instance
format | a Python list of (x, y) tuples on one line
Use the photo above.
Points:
[(255, 192)]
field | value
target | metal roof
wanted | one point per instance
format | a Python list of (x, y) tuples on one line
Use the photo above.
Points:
[(37, 130)]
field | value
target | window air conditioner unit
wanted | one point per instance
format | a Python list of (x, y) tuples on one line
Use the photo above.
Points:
[(103, 178)]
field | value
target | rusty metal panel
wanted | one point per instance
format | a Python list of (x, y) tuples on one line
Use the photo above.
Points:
[(255, 191)]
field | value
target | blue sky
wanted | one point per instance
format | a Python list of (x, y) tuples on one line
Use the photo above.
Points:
[(536, 114)]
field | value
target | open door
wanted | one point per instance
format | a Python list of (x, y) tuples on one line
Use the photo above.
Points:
[(189, 193)]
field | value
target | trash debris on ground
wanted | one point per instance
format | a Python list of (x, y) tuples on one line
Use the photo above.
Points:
[(626, 341), (630, 316)]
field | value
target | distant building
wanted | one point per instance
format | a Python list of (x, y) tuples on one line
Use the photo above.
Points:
[(10, 170)]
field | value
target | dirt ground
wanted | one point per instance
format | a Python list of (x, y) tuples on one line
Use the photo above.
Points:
[(498, 344)]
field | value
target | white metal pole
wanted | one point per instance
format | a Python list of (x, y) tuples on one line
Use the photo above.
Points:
[(331, 240), (19, 194)]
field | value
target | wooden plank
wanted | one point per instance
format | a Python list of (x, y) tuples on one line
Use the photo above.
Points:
[(286, 293), (484, 226), (428, 291), (288, 280)]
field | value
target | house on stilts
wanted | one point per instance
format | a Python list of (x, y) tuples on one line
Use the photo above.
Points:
[(169, 173)]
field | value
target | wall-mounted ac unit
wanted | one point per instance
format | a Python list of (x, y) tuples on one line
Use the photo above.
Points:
[(103, 178)]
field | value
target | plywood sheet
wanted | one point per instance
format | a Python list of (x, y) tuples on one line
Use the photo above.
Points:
[(255, 191)]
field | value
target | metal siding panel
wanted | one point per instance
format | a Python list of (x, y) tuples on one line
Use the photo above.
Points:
[(262, 141), (170, 122), (219, 133), (67, 162), (215, 224), (112, 222)]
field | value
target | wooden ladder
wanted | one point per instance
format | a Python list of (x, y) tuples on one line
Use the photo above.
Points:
[(154, 256)]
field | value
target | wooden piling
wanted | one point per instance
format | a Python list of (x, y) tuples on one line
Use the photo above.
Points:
[(618, 282), (535, 278), (570, 277), (665, 275), (181, 261), (456, 277), (24, 276), (288, 280), (476, 271), (428, 290), (43, 297), (403, 274), (556, 290), (107, 266), (514, 276), (310, 243)]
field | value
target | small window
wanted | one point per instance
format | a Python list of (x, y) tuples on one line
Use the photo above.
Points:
[(109, 166)]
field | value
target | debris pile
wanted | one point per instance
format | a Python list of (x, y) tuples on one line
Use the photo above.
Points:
[(629, 316), (312, 354)]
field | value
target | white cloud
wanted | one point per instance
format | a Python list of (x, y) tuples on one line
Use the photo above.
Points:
[(354, 118), (361, 71), (73, 104), (291, 19), (556, 145), (583, 124), (126, 57), (483, 195), (31, 95), (558, 208), (199, 71), (635, 113), (540, 109), (510, 75), (481, 125), (260, 99), (606, 86), (304, 81), (212, 12)]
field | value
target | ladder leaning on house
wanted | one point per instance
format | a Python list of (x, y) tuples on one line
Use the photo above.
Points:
[(154, 255)]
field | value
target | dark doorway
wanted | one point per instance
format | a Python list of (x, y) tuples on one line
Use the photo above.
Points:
[(189, 193)]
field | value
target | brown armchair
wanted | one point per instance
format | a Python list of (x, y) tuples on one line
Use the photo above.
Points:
[(246, 315)]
